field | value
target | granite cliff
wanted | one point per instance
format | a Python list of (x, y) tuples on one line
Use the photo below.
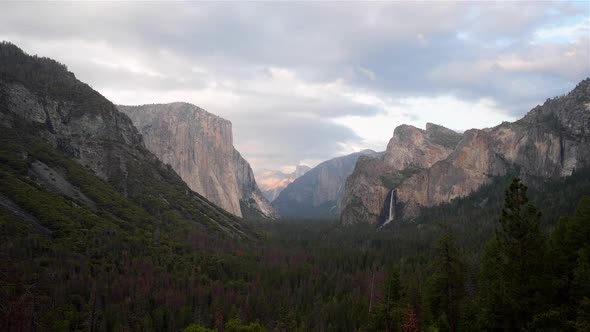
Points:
[(199, 147), (410, 151), (418, 171)]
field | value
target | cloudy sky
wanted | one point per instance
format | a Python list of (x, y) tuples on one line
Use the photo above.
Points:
[(305, 82)]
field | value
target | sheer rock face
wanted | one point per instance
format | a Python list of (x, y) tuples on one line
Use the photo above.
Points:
[(318, 193), (199, 147), (408, 152), (411, 146), (552, 140)]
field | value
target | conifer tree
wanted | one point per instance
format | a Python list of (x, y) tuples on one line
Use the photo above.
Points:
[(513, 275), (446, 285), (570, 255), (387, 314)]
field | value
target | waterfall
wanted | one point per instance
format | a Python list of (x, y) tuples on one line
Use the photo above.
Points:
[(391, 208)]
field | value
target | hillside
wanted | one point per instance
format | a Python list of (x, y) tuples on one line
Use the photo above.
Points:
[(43, 102)]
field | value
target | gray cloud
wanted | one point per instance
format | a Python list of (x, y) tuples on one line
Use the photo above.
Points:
[(293, 137), (283, 72)]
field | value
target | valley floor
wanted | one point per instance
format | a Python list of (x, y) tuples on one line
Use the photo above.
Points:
[(299, 275)]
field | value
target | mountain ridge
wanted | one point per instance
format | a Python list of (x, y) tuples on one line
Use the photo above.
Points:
[(550, 141), (318, 192), (42, 103)]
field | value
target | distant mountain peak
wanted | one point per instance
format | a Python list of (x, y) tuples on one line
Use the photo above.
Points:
[(317, 194), (272, 182)]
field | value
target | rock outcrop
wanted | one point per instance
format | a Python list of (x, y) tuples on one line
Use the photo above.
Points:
[(44, 102), (71, 116), (273, 182), (551, 141), (411, 150), (317, 194), (199, 147)]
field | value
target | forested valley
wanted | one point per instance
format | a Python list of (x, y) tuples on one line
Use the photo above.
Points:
[(495, 260)]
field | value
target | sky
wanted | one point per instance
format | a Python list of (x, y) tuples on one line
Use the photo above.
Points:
[(305, 82)]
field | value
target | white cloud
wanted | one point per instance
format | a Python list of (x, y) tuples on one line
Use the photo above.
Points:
[(564, 32), (447, 111), (304, 82)]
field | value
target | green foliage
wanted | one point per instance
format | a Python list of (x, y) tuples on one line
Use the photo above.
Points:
[(43, 75), (514, 275), (446, 285), (387, 314), (53, 248), (235, 325), (197, 328), (570, 269)]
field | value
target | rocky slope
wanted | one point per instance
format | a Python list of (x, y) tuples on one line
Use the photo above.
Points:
[(318, 192), (199, 147), (43, 104), (410, 150), (273, 182), (551, 141)]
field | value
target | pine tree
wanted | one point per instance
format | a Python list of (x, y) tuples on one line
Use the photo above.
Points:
[(570, 255), (391, 302), (513, 273), (386, 315), (446, 285)]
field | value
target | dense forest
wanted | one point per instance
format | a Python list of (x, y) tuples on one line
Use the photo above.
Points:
[(490, 261)]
